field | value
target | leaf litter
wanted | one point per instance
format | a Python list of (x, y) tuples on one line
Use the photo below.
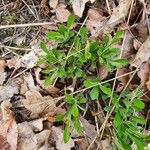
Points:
[(40, 131)]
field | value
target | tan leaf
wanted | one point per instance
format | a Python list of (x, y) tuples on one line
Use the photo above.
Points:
[(53, 91), (95, 23), (57, 134), (62, 13), (143, 54), (44, 7), (119, 13), (102, 72), (144, 73), (11, 88), (53, 3), (3, 76), (78, 7), (37, 104)]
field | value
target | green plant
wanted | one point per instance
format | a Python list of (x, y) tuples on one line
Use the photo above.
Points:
[(71, 59)]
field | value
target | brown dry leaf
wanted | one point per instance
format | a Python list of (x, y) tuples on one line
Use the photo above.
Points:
[(102, 72), (128, 42), (57, 134), (13, 62), (144, 73), (50, 88), (8, 128), (119, 13), (79, 6), (37, 104), (53, 3), (96, 22), (44, 7), (148, 84), (11, 88), (143, 54), (3, 74), (62, 13), (142, 30)]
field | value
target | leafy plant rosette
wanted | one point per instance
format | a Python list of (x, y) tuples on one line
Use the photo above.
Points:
[(72, 57)]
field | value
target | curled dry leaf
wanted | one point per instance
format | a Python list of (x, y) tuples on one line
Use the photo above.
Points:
[(79, 6), (62, 13), (143, 54), (119, 13), (144, 73), (95, 23), (57, 134), (13, 62)]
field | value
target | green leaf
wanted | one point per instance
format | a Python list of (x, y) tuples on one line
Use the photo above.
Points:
[(119, 62), (94, 93), (59, 118), (138, 104), (89, 83), (105, 90), (82, 100), (139, 120), (83, 33), (44, 47), (118, 35), (69, 99), (74, 110), (66, 134), (70, 22), (110, 53), (117, 120), (53, 35), (77, 125)]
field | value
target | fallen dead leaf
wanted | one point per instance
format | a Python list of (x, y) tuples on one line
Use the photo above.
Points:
[(53, 91), (9, 89), (57, 134), (102, 72), (79, 6), (8, 128), (44, 7), (61, 13), (118, 15), (144, 73), (96, 22), (13, 62), (19, 40), (37, 104), (143, 54), (53, 3), (3, 74)]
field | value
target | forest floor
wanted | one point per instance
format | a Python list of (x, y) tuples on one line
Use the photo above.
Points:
[(41, 108)]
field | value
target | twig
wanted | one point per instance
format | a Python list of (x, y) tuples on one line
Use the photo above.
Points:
[(25, 25)]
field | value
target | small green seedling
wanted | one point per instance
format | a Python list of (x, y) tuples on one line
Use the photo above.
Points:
[(72, 57)]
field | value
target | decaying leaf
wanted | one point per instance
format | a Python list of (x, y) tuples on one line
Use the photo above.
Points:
[(19, 40), (37, 104), (57, 134), (62, 13), (119, 13), (143, 54), (78, 6), (144, 73), (44, 7), (3, 74), (8, 128), (96, 22), (53, 3), (11, 88), (13, 62), (50, 88), (102, 72)]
